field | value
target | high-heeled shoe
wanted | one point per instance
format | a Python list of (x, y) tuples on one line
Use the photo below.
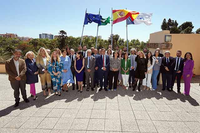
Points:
[(35, 98)]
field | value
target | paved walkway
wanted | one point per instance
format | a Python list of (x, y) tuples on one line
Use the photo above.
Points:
[(104, 112)]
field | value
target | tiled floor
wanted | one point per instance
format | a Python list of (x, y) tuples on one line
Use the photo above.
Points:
[(101, 112)]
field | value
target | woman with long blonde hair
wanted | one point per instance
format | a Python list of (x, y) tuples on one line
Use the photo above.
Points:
[(55, 70), (140, 70), (42, 63)]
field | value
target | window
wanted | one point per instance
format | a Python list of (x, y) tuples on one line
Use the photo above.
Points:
[(168, 38)]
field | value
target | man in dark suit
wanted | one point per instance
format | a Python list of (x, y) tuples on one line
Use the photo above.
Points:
[(89, 69), (73, 58), (84, 55), (96, 79), (166, 70), (177, 70), (103, 63), (16, 69)]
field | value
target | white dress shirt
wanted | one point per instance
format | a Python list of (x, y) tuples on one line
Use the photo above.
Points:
[(17, 66), (45, 61)]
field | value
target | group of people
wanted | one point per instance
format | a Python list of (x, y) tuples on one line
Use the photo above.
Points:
[(92, 68)]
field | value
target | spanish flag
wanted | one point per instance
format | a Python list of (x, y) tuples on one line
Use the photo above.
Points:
[(122, 14)]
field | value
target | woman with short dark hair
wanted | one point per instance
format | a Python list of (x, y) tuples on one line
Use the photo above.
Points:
[(115, 65)]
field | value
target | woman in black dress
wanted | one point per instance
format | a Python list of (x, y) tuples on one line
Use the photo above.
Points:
[(141, 69)]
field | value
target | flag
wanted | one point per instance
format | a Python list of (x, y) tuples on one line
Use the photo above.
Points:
[(122, 14), (89, 18), (105, 21), (141, 18)]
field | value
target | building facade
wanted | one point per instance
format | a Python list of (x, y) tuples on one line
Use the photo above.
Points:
[(173, 42), (46, 36)]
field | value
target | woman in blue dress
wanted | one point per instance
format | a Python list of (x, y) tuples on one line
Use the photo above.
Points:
[(67, 77), (55, 70), (79, 68)]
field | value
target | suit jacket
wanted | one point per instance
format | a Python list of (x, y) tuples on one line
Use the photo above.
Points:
[(99, 63), (12, 72), (165, 64), (132, 59), (96, 58), (180, 65), (91, 64), (72, 63), (128, 65), (31, 69)]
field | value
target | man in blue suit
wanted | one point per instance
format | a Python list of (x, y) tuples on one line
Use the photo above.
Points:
[(103, 64), (96, 79)]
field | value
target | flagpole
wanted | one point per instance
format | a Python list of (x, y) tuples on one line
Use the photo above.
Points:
[(83, 27), (97, 31), (127, 35), (112, 28)]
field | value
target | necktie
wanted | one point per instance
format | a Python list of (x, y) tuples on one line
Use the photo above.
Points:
[(103, 61), (88, 62), (131, 60), (177, 64)]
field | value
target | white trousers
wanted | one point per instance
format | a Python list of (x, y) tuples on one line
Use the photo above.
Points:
[(147, 80), (125, 79)]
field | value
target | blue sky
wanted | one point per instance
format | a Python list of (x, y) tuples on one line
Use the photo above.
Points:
[(30, 18)]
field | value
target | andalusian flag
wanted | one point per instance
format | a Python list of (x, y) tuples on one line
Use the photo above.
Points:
[(105, 21), (122, 14)]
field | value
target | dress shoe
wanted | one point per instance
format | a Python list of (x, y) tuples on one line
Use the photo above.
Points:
[(106, 89), (16, 104), (26, 100), (100, 89), (163, 89), (92, 89)]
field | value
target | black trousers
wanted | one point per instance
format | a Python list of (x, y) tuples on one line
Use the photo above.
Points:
[(176, 76), (74, 74), (103, 77), (96, 79), (113, 74), (166, 78), (132, 77), (19, 85)]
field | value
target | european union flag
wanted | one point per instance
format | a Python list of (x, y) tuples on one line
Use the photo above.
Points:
[(89, 18)]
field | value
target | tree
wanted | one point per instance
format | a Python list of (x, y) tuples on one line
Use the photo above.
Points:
[(175, 24), (185, 26), (164, 25), (62, 36), (198, 31), (115, 40), (188, 30), (174, 30)]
